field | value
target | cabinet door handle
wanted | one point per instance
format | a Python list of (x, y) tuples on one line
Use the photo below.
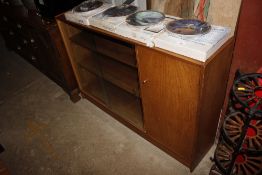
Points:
[(32, 40), (19, 48), (33, 58), (145, 81)]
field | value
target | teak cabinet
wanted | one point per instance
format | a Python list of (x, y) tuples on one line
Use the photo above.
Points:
[(171, 100)]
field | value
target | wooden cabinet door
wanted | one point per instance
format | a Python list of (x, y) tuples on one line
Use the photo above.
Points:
[(170, 94)]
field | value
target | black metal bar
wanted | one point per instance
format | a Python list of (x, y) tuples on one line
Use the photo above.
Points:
[(245, 86)]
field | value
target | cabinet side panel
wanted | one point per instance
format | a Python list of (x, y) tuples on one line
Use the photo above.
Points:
[(66, 32), (215, 78), (170, 93), (65, 65)]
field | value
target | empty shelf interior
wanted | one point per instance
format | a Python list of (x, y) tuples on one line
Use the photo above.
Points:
[(92, 84), (109, 77), (125, 105), (84, 39), (120, 75)]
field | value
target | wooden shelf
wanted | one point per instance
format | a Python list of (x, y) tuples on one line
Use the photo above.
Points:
[(121, 102), (86, 59), (116, 49), (84, 39), (92, 84), (113, 71), (120, 75), (103, 45), (109, 77), (125, 105)]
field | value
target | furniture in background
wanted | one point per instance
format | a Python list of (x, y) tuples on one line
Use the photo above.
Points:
[(239, 151), (39, 42), (171, 100)]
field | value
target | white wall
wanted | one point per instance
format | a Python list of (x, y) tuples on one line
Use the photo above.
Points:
[(224, 13)]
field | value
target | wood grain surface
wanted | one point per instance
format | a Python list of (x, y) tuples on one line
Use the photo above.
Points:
[(214, 81), (66, 67), (67, 32), (170, 93), (181, 98)]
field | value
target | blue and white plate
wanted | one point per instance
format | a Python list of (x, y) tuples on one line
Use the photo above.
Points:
[(121, 10), (188, 27), (88, 5), (145, 18)]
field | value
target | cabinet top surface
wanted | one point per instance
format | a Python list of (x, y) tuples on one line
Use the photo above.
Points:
[(227, 41)]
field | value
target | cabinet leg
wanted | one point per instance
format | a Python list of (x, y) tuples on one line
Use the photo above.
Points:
[(74, 96)]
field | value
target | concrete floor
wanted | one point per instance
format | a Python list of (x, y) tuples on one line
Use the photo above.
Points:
[(44, 133)]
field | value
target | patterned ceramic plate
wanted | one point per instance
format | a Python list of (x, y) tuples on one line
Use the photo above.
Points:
[(122, 10), (88, 6), (188, 27), (145, 18)]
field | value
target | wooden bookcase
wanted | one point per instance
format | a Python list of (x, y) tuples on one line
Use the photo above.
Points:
[(171, 100)]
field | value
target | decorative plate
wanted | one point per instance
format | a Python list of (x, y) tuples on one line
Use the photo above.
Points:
[(122, 10), (88, 6), (188, 27), (145, 18)]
